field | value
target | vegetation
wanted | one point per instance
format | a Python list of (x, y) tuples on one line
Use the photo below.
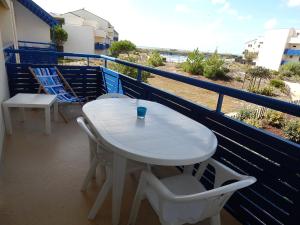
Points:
[(256, 75), (59, 36), (290, 69), (194, 63), (121, 47), (129, 71), (292, 130), (155, 59), (256, 123), (275, 119), (277, 83), (245, 114), (249, 56), (267, 91), (212, 67)]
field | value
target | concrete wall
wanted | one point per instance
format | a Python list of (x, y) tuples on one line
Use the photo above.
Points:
[(3, 93), (6, 24), (29, 26), (71, 19), (80, 39), (271, 53)]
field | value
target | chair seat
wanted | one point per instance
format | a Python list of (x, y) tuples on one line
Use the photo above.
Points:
[(179, 185)]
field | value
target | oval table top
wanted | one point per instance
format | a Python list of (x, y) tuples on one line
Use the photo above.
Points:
[(163, 137)]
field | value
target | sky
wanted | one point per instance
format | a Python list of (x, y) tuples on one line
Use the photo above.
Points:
[(224, 25)]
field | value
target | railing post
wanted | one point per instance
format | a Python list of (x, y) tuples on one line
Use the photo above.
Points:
[(219, 104), (105, 63), (88, 61), (139, 75)]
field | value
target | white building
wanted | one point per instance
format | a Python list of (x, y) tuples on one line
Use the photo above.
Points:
[(19, 20), (254, 46), (87, 32), (278, 46)]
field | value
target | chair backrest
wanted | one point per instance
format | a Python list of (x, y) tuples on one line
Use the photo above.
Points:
[(83, 125), (52, 82), (112, 95), (199, 206)]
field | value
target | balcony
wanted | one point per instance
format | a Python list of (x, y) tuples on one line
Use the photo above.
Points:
[(292, 52), (295, 40), (101, 46), (100, 33), (35, 164)]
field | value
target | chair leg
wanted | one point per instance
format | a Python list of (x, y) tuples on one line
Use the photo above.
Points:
[(101, 195), (137, 203), (215, 220), (90, 174)]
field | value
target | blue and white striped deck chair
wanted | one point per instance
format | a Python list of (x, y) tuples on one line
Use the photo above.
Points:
[(111, 80), (52, 82)]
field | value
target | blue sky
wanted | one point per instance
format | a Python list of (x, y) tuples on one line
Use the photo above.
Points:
[(188, 24)]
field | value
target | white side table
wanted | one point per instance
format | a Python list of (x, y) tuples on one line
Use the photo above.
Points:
[(31, 101)]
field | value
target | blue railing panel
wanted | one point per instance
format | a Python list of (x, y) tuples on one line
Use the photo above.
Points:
[(292, 52)]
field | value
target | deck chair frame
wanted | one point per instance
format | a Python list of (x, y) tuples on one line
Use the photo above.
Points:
[(66, 85)]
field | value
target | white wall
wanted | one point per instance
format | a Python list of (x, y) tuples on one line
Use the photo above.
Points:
[(71, 19), (6, 24), (3, 93), (29, 26), (80, 39), (271, 53)]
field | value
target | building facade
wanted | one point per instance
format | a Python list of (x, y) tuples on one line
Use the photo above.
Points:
[(276, 47), (97, 33)]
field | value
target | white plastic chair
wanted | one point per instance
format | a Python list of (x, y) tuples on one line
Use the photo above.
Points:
[(183, 199), (104, 157), (112, 95)]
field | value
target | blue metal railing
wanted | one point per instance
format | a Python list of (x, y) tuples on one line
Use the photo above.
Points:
[(101, 46), (292, 52), (37, 45), (273, 160)]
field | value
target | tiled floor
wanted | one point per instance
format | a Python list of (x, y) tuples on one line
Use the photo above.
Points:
[(40, 178)]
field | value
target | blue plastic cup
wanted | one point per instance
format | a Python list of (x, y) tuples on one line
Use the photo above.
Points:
[(141, 112)]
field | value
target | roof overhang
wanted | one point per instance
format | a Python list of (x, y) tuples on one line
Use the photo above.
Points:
[(5, 3), (39, 12)]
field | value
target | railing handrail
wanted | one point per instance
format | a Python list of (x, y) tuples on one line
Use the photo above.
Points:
[(40, 43), (269, 102)]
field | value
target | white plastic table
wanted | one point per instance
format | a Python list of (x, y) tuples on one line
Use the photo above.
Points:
[(31, 101), (164, 137)]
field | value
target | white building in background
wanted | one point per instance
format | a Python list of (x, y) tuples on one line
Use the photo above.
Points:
[(87, 32), (276, 47), (254, 46)]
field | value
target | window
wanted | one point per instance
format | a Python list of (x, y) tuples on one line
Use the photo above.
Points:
[(294, 46), (249, 45), (258, 46)]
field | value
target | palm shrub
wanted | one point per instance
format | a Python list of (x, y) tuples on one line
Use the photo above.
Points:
[(257, 73), (155, 59), (121, 47), (194, 63), (292, 130), (214, 67), (59, 36), (274, 118)]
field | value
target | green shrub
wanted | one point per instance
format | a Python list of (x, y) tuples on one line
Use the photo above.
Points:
[(292, 130), (155, 59), (277, 83), (267, 91), (120, 47), (214, 67), (274, 118), (239, 79), (290, 69), (255, 122), (127, 70), (245, 114), (286, 73), (194, 63)]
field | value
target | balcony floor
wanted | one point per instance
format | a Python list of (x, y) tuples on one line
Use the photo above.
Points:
[(40, 177)]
